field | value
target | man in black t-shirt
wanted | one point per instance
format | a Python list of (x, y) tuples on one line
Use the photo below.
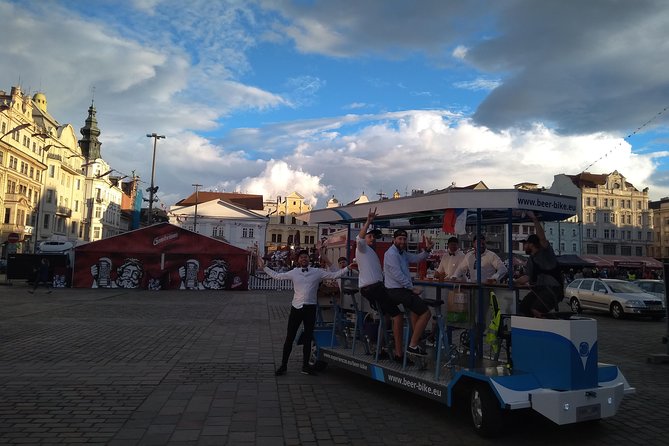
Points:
[(542, 273)]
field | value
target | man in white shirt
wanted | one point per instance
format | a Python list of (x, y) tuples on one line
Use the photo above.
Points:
[(492, 267), (450, 261), (370, 279), (303, 308), (400, 286)]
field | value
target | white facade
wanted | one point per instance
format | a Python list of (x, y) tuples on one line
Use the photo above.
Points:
[(103, 203), (225, 221), (612, 216)]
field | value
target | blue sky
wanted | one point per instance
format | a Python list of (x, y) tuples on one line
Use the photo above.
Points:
[(340, 97)]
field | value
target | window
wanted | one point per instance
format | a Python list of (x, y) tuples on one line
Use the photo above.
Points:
[(273, 238), (73, 228), (290, 239), (8, 214), (591, 248), (97, 212), (278, 238), (561, 247), (638, 204), (293, 220), (629, 219), (46, 224), (613, 217), (573, 232), (629, 204), (587, 233), (606, 202), (586, 285), (606, 233), (639, 251), (76, 205), (606, 217), (52, 171), (247, 232), (626, 250), (638, 235), (594, 233), (96, 233), (594, 202), (282, 220), (49, 195), (609, 248), (573, 247), (587, 201), (78, 184)]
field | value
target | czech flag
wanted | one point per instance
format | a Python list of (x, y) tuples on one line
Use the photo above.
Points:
[(455, 221)]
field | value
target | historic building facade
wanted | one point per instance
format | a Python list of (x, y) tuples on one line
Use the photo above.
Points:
[(613, 217)]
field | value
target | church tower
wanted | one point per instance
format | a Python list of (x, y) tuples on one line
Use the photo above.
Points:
[(90, 144)]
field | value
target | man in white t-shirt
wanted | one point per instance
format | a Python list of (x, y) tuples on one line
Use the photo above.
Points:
[(492, 267), (450, 261)]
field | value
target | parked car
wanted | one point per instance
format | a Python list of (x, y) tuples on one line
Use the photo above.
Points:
[(652, 286), (617, 297)]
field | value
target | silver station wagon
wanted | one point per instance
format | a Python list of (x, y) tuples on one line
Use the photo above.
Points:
[(617, 297)]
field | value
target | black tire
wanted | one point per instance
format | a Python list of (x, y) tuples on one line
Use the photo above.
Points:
[(486, 414), (617, 311), (575, 306)]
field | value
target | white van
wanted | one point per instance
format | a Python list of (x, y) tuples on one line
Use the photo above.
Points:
[(55, 247)]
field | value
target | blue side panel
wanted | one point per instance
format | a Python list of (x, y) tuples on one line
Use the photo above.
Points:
[(554, 360), (323, 337), (607, 373), (377, 373), (518, 382)]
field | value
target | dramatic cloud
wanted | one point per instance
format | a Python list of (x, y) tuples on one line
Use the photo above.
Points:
[(431, 149), (581, 66)]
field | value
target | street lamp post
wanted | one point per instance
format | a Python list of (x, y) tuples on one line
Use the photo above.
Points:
[(197, 188), (152, 189)]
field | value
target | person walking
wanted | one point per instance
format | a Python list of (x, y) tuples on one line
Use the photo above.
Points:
[(42, 276)]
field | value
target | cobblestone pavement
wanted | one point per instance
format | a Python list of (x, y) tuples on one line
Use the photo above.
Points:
[(190, 368)]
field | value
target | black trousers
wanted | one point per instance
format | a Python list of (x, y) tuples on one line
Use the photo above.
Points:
[(307, 317)]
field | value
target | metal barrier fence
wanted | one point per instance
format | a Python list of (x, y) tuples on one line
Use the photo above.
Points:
[(261, 281)]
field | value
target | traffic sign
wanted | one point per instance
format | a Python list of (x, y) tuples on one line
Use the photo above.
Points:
[(13, 237)]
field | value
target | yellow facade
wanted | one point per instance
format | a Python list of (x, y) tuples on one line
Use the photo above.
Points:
[(284, 230)]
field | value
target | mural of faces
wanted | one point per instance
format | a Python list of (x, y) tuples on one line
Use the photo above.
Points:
[(215, 274)]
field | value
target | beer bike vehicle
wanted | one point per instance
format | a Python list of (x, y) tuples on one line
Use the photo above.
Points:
[(550, 365)]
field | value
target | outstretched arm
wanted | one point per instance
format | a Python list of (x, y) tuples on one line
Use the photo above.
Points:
[(370, 218), (539, 229)]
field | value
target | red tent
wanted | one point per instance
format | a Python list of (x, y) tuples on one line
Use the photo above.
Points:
[(162, 256)]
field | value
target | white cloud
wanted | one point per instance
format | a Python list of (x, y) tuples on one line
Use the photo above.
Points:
[(460, 52), (478, 84), (430, 149), (280, 178)]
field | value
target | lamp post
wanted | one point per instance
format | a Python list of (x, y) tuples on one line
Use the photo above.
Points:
[(197, 187), (152, 190), (41, 198)]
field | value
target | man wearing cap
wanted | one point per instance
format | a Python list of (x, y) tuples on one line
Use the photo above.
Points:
[(370, 279), (542, 274), (492, 267), (400, 287), (451, 260)]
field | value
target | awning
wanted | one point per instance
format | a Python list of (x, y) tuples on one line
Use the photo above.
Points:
[(574, 261), (610, 261)]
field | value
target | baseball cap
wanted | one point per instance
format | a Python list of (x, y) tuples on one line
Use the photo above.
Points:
[(375, 232), (399, 233), (533, 238)]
